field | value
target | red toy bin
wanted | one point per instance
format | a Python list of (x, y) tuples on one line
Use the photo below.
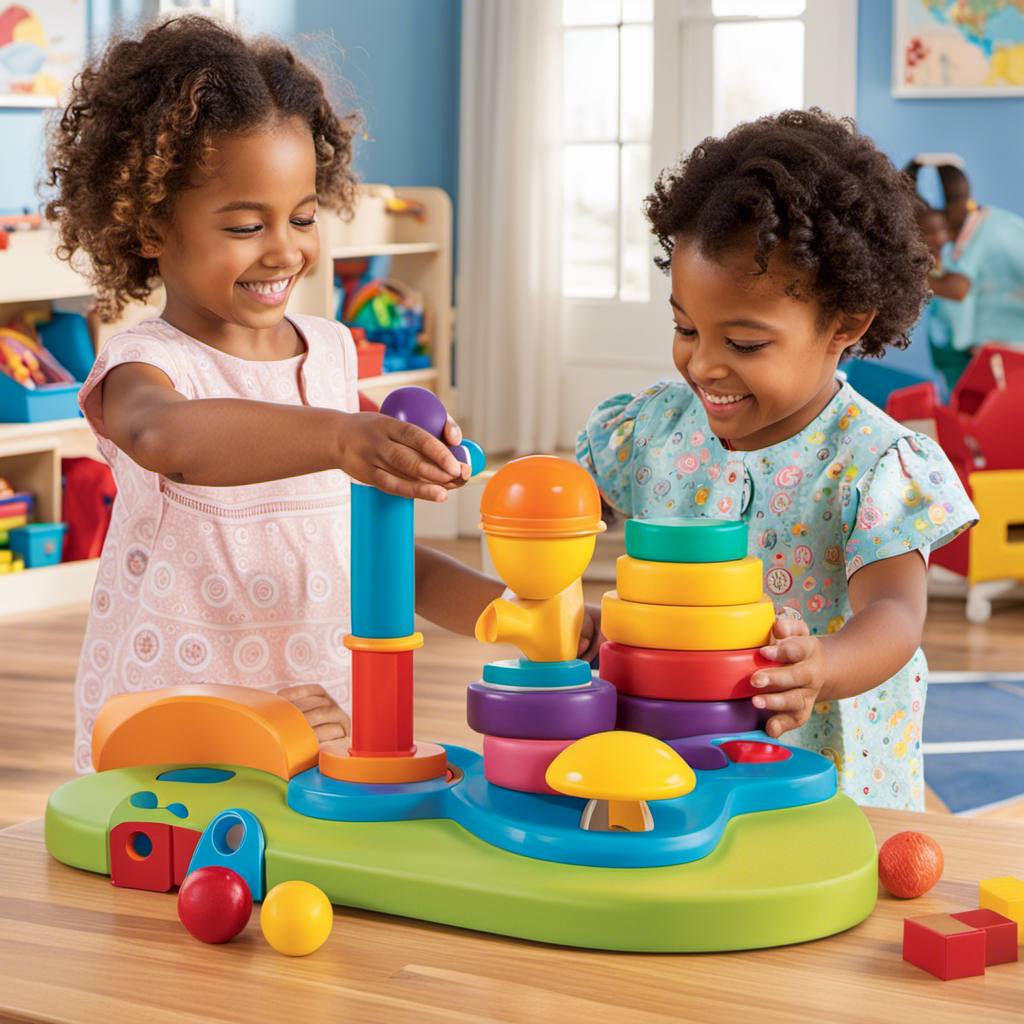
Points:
[(371, 359)]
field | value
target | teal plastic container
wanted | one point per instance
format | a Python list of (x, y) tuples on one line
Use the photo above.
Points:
[(39, 544), (66, 337)]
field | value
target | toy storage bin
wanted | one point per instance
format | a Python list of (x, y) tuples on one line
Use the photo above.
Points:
[(19, 404), (39, 544), (67, 339)]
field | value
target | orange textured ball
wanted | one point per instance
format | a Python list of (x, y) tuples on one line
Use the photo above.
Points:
[(541, 496), (909, 864)]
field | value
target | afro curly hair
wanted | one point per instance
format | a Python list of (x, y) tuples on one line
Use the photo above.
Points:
[(809, 179), (138, 122)]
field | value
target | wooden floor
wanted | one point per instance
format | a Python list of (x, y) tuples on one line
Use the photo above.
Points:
[(39, 654)]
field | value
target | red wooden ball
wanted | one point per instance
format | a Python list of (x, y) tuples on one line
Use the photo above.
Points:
[(909, 864), (214, 904)]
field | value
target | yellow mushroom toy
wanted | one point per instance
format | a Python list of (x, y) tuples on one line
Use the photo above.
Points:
[(618, 772)]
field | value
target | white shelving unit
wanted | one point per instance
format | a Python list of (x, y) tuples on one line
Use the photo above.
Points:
[(31, 274), (421, 251), (30, 453)]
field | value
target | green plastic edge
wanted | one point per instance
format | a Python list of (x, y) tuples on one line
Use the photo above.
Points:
[(776, 878)]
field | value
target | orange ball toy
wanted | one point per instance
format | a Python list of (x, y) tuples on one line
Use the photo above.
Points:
[(909, 864), (541, 496)]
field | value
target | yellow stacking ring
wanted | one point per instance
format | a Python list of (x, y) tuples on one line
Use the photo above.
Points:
[(689, 583), (687, 628), (384, 645)]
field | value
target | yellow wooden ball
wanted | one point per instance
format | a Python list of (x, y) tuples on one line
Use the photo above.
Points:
[(296, 918)]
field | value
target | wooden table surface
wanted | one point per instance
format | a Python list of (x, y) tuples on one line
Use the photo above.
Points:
[(74, 948)]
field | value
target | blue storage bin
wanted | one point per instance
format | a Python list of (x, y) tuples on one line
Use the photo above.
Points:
[(19, 404), (39, 544), (67, 338)]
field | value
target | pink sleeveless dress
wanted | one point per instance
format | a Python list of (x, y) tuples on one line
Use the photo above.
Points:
[(246, 585)]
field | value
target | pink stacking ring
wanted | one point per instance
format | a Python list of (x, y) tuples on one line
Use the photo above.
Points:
[(520, 764)]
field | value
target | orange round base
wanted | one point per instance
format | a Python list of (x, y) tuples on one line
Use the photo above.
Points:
[(427, 761)]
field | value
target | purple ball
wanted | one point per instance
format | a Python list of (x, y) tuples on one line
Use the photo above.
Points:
[(419, 406)]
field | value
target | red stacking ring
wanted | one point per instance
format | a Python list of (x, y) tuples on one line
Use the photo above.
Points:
[(681, 675)]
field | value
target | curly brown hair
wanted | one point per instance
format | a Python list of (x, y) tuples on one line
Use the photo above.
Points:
[(810, 179), (138, 123)]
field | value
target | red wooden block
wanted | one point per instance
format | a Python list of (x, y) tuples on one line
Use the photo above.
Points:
[(141, 856), (681, 675), (183, 842), (1000, 934), (943, 946)]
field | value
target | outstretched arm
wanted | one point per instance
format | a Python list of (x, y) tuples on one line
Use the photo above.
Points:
[(889, 601), (225, 442)]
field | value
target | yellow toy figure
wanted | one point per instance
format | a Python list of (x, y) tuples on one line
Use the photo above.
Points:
[(540, 515)]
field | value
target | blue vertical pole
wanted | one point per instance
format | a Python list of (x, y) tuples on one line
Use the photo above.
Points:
[(383, 564)]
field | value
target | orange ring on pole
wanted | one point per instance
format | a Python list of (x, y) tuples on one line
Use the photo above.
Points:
[(427, 761)]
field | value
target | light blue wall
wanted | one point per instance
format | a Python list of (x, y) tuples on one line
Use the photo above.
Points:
[(401, 61), (985, 132), (21, 130)]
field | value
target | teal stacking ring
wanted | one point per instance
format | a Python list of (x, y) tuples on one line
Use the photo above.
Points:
[(686, 540), (537, 675)]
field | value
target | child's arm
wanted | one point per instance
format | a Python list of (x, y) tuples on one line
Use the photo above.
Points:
[(889, 600), (225, 442), (451, 595), (949, 285)]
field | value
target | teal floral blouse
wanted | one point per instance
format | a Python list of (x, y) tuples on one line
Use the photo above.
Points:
[(852, 487)]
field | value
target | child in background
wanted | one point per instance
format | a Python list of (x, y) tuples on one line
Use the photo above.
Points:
[(789, 242), (948, 288), (197, 158)]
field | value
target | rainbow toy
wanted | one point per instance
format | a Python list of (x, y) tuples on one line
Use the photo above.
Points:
[(689, 830)]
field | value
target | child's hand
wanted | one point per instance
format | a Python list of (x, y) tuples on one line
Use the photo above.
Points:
[(401, 458), (793, 689), (590, 636), (328, 720)]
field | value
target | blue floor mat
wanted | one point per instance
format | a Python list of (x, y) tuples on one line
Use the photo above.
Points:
[(966, 712)]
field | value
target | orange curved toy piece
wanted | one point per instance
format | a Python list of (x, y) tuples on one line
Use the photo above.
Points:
[(205, 723)]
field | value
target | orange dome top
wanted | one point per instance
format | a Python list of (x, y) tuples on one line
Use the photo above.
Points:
[(541, 496)]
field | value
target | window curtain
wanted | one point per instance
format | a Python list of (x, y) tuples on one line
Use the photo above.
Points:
[(508, 285)]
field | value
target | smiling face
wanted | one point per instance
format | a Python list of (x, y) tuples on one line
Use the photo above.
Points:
[(240, 239), (760, 360)]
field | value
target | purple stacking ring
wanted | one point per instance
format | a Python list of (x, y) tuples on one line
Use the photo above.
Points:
[(677, 719), (542, 714)]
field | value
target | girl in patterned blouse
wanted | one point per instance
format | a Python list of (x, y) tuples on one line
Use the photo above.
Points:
[(792, 242)]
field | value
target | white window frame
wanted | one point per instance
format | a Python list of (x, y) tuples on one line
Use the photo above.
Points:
[(611, 345)]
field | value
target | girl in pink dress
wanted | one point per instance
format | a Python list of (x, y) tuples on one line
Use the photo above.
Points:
[(196, 158)]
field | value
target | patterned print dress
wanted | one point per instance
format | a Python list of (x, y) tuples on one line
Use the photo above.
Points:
[(852, 487), (245, 584)]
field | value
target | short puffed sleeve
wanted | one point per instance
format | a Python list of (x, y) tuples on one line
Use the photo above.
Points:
[(604, 447), (142, 344), (910, 499)]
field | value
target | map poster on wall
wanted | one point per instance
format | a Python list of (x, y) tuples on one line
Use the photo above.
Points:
[(944, 48), (42, 47)]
